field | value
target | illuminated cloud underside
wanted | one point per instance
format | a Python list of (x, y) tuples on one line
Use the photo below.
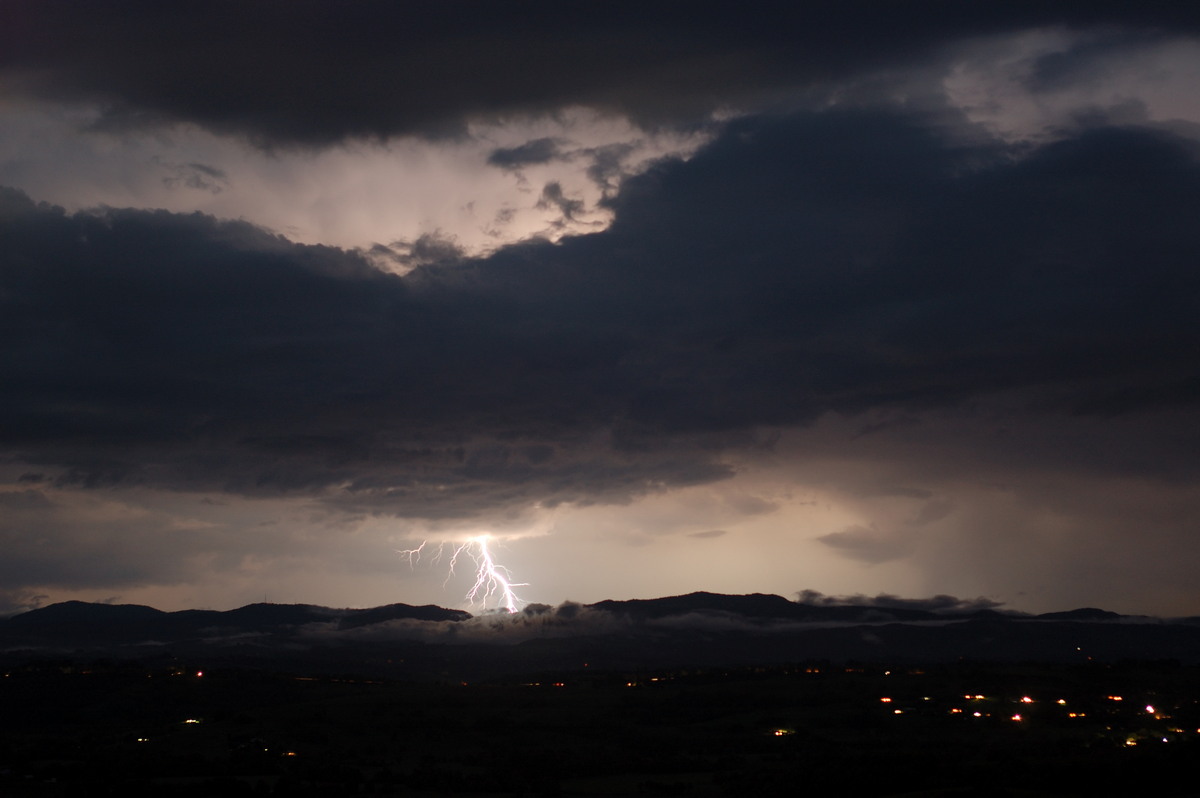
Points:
[(357, 195)]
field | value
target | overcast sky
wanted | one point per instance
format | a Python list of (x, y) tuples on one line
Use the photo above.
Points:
[(854, 297)]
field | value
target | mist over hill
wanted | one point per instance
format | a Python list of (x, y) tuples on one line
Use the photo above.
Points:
[(698, 629)]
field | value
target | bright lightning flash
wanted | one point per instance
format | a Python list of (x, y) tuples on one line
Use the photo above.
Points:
[(492, 581)]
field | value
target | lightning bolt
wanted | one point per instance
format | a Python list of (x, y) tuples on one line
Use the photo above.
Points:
[(492, 581)]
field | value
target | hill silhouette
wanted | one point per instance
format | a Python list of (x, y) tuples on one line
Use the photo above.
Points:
[(81, 622), (697, 629)]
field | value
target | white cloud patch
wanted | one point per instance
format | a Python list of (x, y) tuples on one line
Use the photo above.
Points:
[(507, 180)]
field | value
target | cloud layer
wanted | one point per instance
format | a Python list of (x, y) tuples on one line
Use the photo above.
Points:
[(858, 263), (911, 295), (308, 73)]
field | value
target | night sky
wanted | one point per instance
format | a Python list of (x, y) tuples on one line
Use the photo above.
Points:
[(854, 297)]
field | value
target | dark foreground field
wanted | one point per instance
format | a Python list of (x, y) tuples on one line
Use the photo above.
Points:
[(123, 729)]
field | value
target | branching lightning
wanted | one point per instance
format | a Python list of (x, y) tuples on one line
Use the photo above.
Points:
[(492, 581)]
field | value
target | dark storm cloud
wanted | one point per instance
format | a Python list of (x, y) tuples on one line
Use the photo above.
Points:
[(799, 265), (554, 197), (431, 248), (316, 72), (1085, 62), (151, 348), (847, 260), (538, 151), (606, 168), (195, 175)]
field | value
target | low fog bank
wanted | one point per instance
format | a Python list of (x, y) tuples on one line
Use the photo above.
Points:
[(301, 626), (756, 614), (697, 630)]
